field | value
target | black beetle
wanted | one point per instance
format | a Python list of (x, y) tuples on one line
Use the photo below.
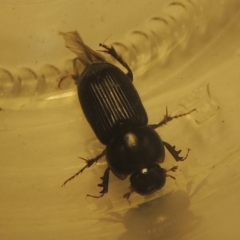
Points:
[(115, 112)]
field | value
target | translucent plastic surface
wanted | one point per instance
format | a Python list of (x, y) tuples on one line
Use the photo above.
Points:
[(184, 55)]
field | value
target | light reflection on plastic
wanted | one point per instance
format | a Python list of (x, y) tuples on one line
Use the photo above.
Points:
[(62, 95)]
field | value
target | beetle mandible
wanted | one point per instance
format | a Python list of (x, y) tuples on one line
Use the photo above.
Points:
[(115, 112)]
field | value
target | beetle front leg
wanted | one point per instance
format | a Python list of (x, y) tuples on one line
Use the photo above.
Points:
[(111, 51), (167, 118), (175, 153), (89, 163), (104, 184)]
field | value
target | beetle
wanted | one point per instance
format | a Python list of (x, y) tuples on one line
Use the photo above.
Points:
[(114, 110)]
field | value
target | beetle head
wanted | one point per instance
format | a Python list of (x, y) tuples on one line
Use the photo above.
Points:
[(148, 180)]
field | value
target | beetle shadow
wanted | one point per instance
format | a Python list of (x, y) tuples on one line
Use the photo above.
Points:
[(167, 217), (162, 218)]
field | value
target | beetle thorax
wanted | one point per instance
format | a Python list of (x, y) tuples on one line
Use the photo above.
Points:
[(134, 149)]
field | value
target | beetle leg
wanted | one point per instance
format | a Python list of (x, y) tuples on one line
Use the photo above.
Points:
[(111, 51), (175, 153), (89, 163), (104, 184), (167, 118), (128, 194)]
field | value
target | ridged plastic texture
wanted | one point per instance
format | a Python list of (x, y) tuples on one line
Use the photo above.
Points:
[(178, 24)]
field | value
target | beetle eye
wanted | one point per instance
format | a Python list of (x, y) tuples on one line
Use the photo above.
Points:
[(148, 180)]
